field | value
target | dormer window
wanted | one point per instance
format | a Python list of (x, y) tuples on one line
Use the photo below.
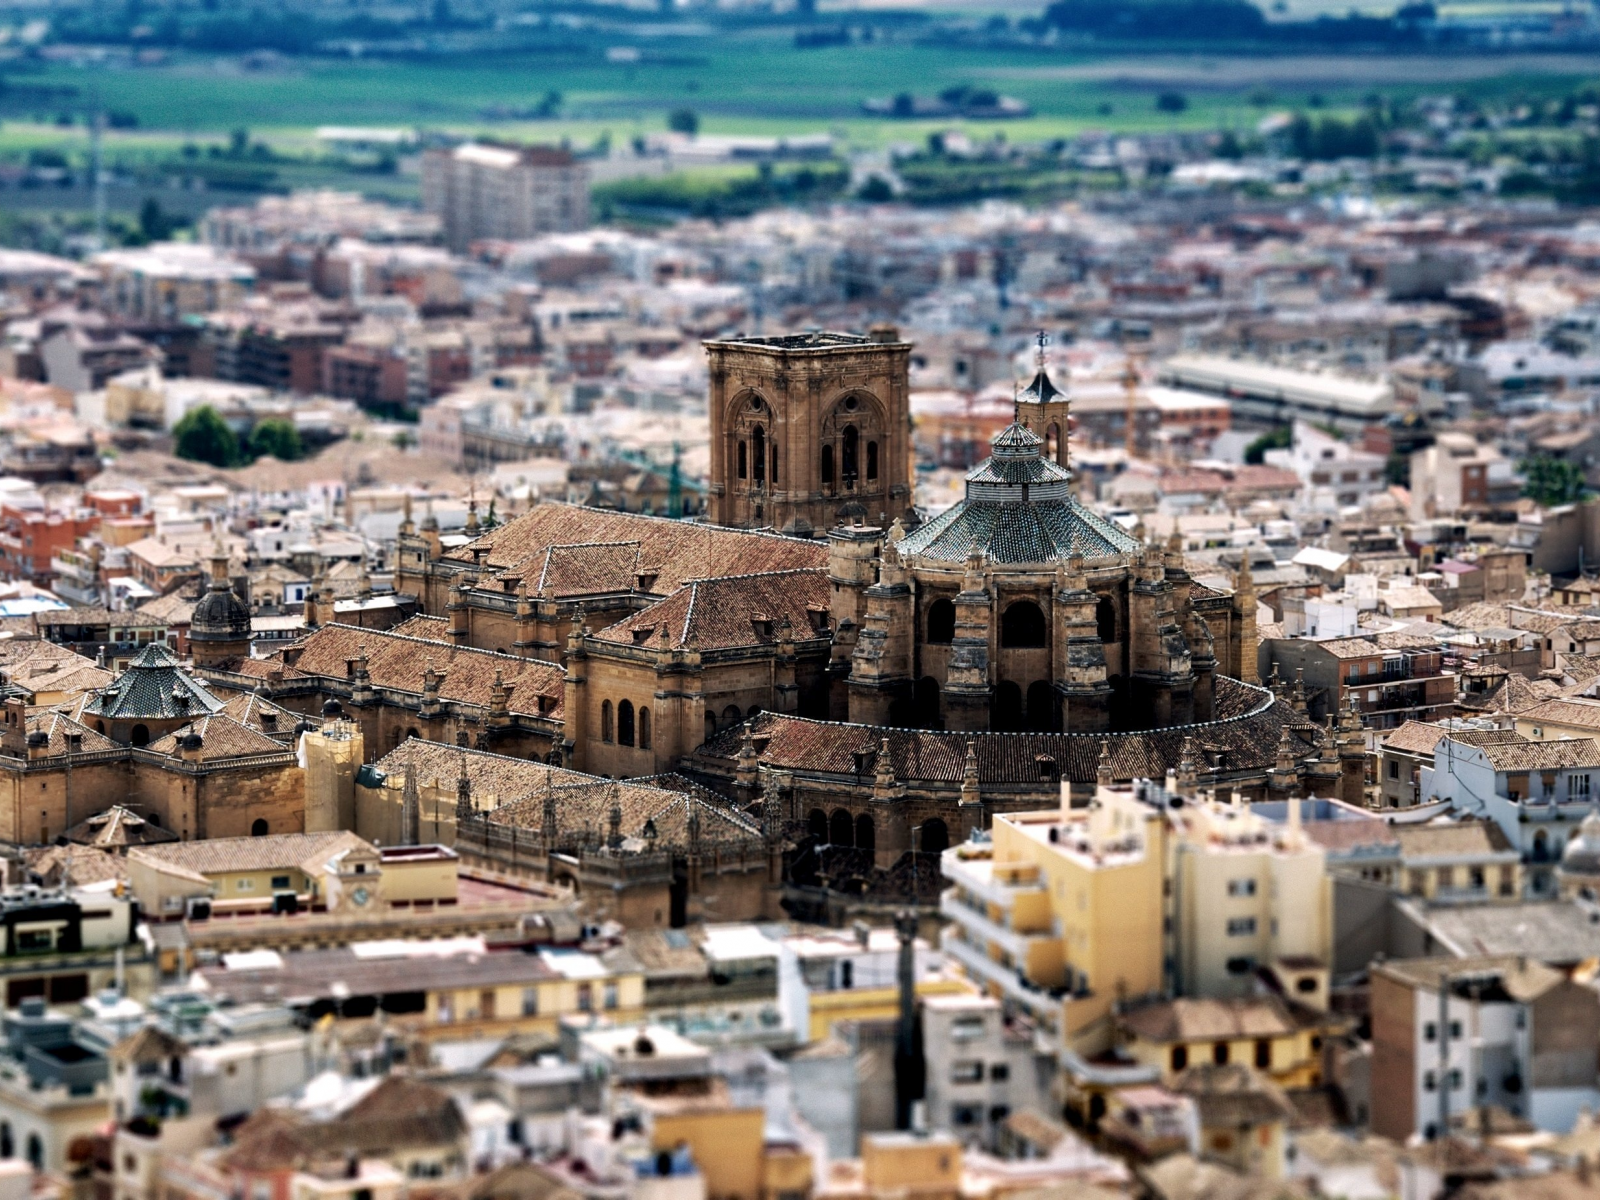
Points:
[(642, 634)]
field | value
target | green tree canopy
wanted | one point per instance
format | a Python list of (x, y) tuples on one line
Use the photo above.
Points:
[(684, 120), (1552, 481), (1278, 438), (278, 438), (202, 436)]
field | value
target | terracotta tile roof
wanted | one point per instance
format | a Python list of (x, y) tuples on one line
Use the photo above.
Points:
[(1191, 1020), (586, 569), (434, 629), (117, 828), (1584, 714), (1416, 737), (175, 608), (221, 737), (83, 865), (59, 726), (399, 1113), (398, 663), (1458, 839), (732, 611), (513, 791), (215, 856), (1350, 647), (1233, 1096), (675, 550), (1481, 615), (1544, 756), (1247, 732), (248, 709), (1518, 692)]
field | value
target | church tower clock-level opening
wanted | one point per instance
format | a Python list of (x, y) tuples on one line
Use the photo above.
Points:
[(810, 431)]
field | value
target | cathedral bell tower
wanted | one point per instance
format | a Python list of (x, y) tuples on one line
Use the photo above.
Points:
[(1046, 411), (810, 431)]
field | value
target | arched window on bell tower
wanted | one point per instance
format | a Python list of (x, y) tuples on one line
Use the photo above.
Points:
[(827, 467), (758, 453), (744, 465), (872, 460), (851, 465)]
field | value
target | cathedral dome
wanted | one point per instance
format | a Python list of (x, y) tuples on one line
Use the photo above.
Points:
[(220, 615), (1019, 509)]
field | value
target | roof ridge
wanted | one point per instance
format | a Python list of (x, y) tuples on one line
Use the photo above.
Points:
[(611, 512), (407, 637), (823, 571)]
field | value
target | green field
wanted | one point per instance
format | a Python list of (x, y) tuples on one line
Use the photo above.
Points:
[(736, 81), (758, 82)]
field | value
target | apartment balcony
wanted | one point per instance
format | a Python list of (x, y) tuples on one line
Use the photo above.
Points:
[(978, 877), (1014, 943), (1044, 1006)]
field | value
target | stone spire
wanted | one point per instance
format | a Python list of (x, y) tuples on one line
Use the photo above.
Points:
[(884, 785), (969, 778), (1102, 773), (464, 808), (1188, 775), (549, 816), (410, 806)]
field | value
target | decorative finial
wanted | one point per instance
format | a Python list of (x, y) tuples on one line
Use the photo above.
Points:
[(1044, 340)]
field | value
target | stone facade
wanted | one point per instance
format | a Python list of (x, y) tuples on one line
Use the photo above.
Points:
[(809, 431)]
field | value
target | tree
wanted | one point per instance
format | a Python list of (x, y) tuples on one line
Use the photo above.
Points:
[(685, 121), (1172, 102), (203, 436), (1278, 438), (278, 438), (876, 190), (154, 222), (1552, 481)]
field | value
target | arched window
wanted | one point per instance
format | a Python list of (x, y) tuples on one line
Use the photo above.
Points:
[(941, 622), (744, 460), (1052, 441), (872, 460), (259, 828), (625, 723), (817, 824), (1105, 620), (852, 454), (730, 716), (644, 728), (755, 711), (711, 726), (35, 1152), (1022, 626), (842, 828), (8, 1147), (774, 464), (827, 466), (758, 453), (866, 833), (412, 733), (140, 735), (927, 702), (935, 837), (605, 720)]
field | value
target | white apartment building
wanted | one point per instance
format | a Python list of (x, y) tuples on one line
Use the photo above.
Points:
[(505, 192)]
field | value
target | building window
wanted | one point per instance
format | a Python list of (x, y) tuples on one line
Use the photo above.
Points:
[(530, 1002), (1430, 1032), (1263, 1053), (872, 460), (625, 723), (966, 1114), (644, 727), (586, 997), (827, 466), (744, 461), (1241, 887), (1220, 1053), (1180, 1057), (1394, 769), (999, 1072), (966, 1072), (605, 720), (608, 996), (1241, 926), (279, 882), (1577, 785)]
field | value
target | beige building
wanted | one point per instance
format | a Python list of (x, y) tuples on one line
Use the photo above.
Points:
[(505, 192)]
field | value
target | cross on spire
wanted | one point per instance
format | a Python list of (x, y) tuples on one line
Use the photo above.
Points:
[(1044, 340)]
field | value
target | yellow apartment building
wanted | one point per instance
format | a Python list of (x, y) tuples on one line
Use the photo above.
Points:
[(1061, 912)]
